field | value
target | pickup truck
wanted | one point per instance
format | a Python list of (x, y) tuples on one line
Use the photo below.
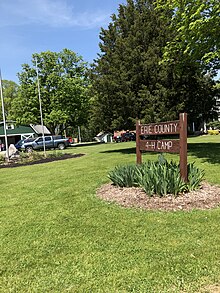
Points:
[(53, 141)]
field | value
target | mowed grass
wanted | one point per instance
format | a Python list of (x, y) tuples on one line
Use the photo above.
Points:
[(57, 236)]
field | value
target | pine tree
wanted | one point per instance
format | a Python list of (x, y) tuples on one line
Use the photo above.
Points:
[(127, 74)]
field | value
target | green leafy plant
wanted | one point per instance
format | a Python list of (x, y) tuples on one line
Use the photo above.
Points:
[(34, 156), (195, 176), (214, 124), (2, 159), (160, 177), (125, 176)]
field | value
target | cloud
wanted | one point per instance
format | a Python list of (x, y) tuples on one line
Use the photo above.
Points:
[(52, 13)]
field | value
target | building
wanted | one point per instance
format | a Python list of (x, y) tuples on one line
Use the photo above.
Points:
[(18, 132), (104, 137)]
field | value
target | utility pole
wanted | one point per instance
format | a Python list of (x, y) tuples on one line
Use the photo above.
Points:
[(80, 140), (41, 115), (4, 120)]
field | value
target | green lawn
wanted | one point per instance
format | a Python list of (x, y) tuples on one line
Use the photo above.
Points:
[(56, 236)]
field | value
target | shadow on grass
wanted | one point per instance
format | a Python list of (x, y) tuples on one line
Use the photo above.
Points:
[(129, 151), (209, 152), (122, 151)]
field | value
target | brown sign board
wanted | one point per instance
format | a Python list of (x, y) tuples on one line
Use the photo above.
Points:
[(164, 146), (163, 128)]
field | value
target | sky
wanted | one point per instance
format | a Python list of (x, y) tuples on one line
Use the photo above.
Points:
[(34, 26)]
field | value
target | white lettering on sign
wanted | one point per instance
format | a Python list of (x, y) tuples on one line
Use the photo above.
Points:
[(151, 145), (159, 145), (159, 128), (147, 129), (165, 128), (164, 145)]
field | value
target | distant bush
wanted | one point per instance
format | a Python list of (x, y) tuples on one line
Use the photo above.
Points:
[(214, 125), (2, 159), (213, 132), (25, 158), (160, 177)]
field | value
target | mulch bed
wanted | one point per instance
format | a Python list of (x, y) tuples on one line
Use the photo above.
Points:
[(40, 161), (207, 197)]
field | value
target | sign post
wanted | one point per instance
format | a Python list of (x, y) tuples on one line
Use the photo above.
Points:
[(138, 151), (183, 146), (164, 145)]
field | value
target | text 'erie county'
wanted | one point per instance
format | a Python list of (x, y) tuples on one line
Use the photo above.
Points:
[(162, 128)]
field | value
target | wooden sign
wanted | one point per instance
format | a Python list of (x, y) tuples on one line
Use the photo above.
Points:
[(164, 145)]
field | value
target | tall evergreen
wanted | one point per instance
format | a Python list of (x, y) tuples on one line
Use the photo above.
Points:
[(127, 75)]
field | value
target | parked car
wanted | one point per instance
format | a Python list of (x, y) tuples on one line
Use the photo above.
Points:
[(128, 136), (53, 141), (117, 138)]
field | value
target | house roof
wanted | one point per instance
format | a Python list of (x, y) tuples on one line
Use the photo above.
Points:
[(23, 129), (39, 129), (102, 134), (17, 130)]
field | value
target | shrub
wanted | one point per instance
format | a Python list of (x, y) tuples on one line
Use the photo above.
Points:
[(160, 177), (195, 176), (2, 159), (30, 157), (213, 132), (25, 158), (214, 124), (125, 176)]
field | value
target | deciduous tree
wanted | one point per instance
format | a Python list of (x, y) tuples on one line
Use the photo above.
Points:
[(63, 90), (10, 92), (196, 23)]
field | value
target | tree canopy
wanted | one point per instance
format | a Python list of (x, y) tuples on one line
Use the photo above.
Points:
[(130, 80), (10, 92), (196, 23), (63, 89), (127, 75)]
